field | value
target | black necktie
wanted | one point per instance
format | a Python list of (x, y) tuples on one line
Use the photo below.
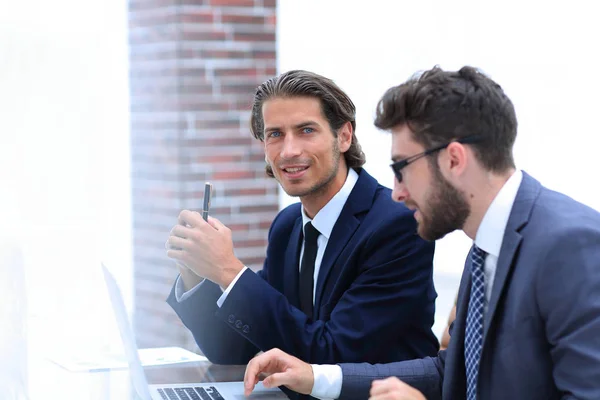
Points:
[(307, 269)]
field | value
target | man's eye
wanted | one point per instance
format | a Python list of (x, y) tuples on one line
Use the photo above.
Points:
[(274, 134), (308, 130)]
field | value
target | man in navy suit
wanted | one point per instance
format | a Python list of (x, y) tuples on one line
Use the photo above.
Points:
[(528, 309), (346, 277)]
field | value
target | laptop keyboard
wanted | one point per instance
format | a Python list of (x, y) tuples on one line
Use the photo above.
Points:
[(188, 393)]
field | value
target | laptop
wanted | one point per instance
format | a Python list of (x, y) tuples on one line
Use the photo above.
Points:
[(192, 391)]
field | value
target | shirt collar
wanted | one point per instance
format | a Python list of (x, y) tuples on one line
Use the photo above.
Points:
[(491, 230), (328, 215)]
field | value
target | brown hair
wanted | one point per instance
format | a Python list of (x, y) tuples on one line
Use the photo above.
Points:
[(440, 106), (335, 105)]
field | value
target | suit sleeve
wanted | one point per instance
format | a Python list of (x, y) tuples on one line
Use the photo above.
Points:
[(394, 273), (425, 374), (568, 288), (219, 343)]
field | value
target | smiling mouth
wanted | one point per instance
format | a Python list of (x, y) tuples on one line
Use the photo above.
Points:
[(294, 170)]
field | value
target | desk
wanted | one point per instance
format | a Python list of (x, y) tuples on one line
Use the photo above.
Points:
[(50, 381)]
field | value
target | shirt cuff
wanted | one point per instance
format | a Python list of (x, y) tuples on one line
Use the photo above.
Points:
[(180, 293), (328, 381), (223, 297)]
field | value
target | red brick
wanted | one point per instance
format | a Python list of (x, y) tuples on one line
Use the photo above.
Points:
[(256, 209), (263, 55), (242, 19), (253, 37), (242, 104), (239, 88), (209, 36), (226, 175), (192, 72), (271, 20), (194, 17), (232, 3), (239, 227), (217, 141), (245, 192), (252, 243), (220, 210), (258, 156), (221, 158), (236, 72), (217, 124), (226, 54), (264, 224)]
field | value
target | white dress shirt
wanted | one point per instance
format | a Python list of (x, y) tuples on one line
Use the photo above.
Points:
[(328, 378), (323, 222)]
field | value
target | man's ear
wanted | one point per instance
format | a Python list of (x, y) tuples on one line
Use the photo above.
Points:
[(344, 137), (454, 160)]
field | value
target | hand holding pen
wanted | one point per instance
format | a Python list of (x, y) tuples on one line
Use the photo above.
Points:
[(204, 245)]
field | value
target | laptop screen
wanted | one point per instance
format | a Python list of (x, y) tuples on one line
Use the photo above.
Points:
[(135, 366)]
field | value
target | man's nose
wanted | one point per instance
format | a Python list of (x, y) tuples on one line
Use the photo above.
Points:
[(399, 193), (291, 147)]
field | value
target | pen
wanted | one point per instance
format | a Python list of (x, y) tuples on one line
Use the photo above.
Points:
[(207, 195)]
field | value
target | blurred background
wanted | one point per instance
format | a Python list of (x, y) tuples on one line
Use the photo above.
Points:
[(113, 115)]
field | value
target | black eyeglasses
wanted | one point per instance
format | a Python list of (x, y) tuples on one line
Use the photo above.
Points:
[(398, 165)]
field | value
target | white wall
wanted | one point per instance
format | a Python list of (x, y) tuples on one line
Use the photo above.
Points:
[(65, 159), (544, 54)]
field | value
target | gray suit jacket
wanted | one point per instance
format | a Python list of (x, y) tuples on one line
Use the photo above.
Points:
[(542, 328)]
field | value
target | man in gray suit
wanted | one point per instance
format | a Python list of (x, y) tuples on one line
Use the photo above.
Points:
[(528, 309)]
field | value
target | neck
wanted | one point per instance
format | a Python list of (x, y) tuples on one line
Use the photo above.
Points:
[(481, 193), (315, 201)]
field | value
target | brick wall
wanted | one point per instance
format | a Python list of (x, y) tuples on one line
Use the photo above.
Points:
[(194, 66)]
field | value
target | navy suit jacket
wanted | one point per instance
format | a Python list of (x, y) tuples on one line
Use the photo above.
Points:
[(542, 328), (374, 295)]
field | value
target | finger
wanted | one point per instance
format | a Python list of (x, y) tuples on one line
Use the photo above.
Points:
[(215, 223), (278, 379), (253, 370), (176, 254), (381, 386), (249, 385), (181, 231), (176, 243), (191, 218)]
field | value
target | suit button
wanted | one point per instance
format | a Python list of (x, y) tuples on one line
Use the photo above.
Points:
[(231, 318), (238, 324), (246, 329)]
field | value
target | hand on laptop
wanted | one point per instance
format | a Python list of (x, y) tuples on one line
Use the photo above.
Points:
[(206, 248), (393, 389), (281, 369)]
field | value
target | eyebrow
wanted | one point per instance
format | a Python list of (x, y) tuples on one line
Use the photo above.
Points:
[(298, 126), (305, 124), (398, 157)]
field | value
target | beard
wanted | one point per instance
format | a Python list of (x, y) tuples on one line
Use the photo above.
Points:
[(445, 211), (321, 185)]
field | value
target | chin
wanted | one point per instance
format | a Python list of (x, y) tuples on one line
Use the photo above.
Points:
[(293, 191)]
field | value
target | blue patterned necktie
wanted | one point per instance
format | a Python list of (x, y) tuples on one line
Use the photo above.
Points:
[(474, 329)]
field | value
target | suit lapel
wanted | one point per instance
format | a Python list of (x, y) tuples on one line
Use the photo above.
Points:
[(360, 200), (292, 261), (519, 216), (510, 244)]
